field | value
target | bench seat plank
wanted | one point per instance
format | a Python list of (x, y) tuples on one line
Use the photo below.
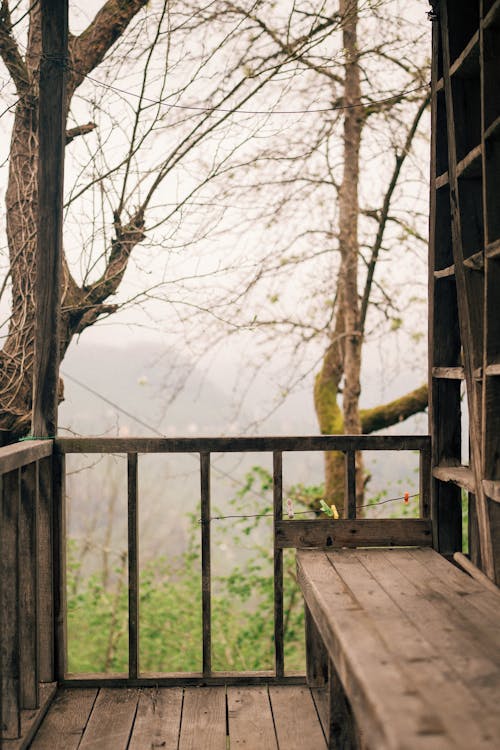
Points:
[(402, 651), (434, 651)]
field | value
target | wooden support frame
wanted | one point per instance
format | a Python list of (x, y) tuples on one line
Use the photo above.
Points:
[(287, 533), (52, 140), (464, 275)]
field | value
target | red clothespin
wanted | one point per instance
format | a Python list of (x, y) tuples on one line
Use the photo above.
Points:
[(407, 498)]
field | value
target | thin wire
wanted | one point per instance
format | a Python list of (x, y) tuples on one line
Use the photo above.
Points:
[(108, 401), (65, 62), (301, 512), (221, 472)]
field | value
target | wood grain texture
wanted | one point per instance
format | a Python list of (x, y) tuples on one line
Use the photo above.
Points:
[(460, 475), (9, 606), (386, 706), (365, 532), (206, 570), (52, 142), (242, 444), (158, 719), (250, 719), (28, 623), (427, 659), (203, 719), (133, 565), (342, 730), (59, 564), (45, 553), (32, 719), (296, 719), (183, 679), (436, 631), (279, 653), (316, 656), (21, 454), (111, 720), (63, 727), (463, 126)]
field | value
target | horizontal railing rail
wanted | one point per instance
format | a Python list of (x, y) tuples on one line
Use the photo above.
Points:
[(349, 531), (243, 444), (26, 579)]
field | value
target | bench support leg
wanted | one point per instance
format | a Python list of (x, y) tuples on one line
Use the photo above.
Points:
[(343, 734), (316, 656)]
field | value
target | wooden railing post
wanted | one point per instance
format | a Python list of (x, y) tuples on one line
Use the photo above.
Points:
[(45, 570), (28, 585), (279, 655), (133, 567), (59, 564), (425, 483), (206, 574), (9, 605), (350, 484)]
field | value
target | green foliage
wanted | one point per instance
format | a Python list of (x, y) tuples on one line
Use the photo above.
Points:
[(170, 602)]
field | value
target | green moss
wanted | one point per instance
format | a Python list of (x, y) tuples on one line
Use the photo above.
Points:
[(328, 412)]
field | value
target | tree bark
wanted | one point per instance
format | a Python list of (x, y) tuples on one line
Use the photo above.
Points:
[(81, 305)]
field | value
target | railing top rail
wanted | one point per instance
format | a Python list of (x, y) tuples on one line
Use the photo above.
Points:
[(15, 456), (242, 444)]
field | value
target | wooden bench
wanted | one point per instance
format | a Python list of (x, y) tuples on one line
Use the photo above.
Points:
[(410, 646)]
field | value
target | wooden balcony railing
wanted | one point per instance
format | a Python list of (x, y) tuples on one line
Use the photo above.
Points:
[(26, 584), (33, 539)]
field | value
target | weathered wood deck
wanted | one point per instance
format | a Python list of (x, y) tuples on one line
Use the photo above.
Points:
[(215, 718), (415, 643)]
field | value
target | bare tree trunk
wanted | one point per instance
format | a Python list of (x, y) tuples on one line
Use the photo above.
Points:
[(343, 356), (348, 230), (82, 305)]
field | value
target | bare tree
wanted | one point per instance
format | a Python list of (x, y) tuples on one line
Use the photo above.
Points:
[(188, 77), (324, 232)]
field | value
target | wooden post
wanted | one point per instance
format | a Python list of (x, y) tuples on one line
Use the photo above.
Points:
[(206, 567), (28, 579), (52, 136), (279, 654), (133, 567), (9, 606)]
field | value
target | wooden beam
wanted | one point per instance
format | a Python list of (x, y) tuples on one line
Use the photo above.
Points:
[(243, 444), (365, 532), (470, 301), (52, 137)]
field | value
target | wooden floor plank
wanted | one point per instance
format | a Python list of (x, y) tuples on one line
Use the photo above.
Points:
[(203, 719), (320, 698), (66, 720), (111, 720), (250, 718), (295, 718), (371, 579), (158, 719), (32, 718)]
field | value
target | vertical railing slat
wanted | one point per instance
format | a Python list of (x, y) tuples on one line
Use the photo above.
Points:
[(350, 484), (279, 656), (133, 567), (45, 566), (425, 483), (28, 625), (9, 605), (206, 573), (60, 545)]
